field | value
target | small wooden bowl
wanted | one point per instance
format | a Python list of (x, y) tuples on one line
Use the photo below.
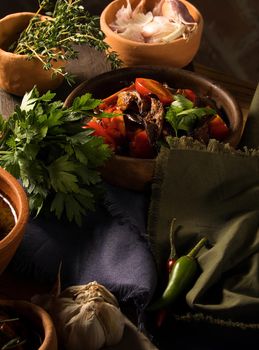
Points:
[(134, 173), (18, 73), (178, 53), (11, 189), (38, 318)]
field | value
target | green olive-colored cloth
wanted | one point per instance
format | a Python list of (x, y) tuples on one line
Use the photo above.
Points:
[(250, 137), (211, 191)]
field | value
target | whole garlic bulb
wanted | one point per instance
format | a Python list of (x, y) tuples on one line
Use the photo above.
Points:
[(86, 317)]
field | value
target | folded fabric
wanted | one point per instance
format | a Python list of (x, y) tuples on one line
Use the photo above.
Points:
[(212, 192), (250, 137), (111, 248)]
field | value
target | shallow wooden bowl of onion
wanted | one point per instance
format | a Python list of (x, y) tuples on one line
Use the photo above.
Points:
[(137, 173), (157, 32)]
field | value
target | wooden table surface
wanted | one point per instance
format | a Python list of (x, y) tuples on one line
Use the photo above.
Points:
[(88, 65)]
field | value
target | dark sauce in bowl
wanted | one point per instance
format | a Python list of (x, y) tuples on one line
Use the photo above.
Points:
[(7, 216)]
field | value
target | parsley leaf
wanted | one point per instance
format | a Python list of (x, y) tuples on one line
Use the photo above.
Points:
[(43, 144), (183, 115)]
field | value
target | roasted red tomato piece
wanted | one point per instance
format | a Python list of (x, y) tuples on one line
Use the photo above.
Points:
[(111, 129), (148, 87), (218, 129), (190, 94), (99, 130), (115, 127), (140, 146)]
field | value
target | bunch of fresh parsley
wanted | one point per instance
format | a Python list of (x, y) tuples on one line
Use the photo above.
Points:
[(183, 115), (44, 145)]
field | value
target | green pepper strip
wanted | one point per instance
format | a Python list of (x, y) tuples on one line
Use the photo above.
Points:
[(182, 275), (161, 316), (173, 255)]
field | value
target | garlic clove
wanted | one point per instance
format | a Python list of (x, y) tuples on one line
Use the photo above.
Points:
[(84, 330), (112, 321)]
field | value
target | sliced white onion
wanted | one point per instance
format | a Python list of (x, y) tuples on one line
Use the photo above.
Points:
[(168, 36), (151, 27), (133, 33), (141, 18)]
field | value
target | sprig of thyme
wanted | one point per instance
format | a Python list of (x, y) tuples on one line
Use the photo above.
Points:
[(69, 24), (44, 145)]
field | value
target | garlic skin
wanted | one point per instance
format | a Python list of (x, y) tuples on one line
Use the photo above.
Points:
[(86, 317), (89, 326)]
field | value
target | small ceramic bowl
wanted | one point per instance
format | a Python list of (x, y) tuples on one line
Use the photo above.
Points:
[(12, 191), (137, 174), (178, 53), (37, 321)]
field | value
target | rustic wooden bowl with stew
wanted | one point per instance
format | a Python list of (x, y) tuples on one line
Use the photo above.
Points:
[(135, 173)]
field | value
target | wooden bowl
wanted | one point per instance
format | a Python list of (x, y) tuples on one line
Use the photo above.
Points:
[(178, 53), (38, 319), (137, 174), (11, 189), (18, 74)]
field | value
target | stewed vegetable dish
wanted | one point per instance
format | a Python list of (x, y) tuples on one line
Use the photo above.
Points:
[(140, 117)]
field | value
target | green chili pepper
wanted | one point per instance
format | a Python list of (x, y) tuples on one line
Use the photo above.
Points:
[(173, 255), (182, 275), (162, 314)]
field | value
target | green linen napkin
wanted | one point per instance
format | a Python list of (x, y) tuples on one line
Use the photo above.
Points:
[(250, 137), (212, 191)]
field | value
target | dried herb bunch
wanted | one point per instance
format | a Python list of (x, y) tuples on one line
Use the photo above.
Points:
[(55, 37)]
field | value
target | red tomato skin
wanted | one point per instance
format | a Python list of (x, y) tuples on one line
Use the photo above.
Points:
[(218, 129), (147, 87), (140, 146), (99, 130), (190, 94)]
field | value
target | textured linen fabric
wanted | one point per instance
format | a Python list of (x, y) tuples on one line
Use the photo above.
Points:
[(213, 194), (111, 248)]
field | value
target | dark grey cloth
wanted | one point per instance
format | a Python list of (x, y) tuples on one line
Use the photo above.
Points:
[(110, 248)]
